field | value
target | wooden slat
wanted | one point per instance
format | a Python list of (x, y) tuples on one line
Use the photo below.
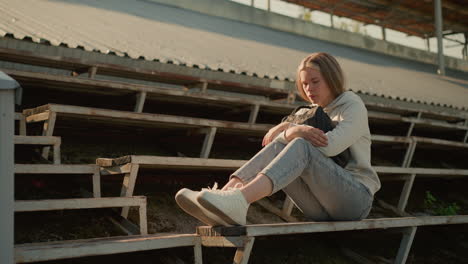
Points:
[(153, 91), (420, 171), (145, 118), (78, 203), (183, 163), (176, 162), (56, 168), (36, 140), (315, 227), (100, 246)]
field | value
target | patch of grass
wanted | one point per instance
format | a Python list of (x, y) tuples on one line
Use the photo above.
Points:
[(438, 207)]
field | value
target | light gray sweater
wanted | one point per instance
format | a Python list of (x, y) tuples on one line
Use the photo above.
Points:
[(349, 114)]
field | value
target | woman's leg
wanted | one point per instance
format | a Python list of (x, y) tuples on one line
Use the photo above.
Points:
[(340, 195), (251, 168), (335, 189)]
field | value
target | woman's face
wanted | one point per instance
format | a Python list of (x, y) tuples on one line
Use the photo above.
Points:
[(315, 87)]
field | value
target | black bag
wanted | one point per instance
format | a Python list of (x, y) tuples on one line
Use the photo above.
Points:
[(317, 118)]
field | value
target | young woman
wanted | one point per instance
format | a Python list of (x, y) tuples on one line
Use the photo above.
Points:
[(296, 159)]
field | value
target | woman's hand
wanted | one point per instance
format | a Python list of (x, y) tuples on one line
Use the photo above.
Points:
[(314, 135), (274, 132)]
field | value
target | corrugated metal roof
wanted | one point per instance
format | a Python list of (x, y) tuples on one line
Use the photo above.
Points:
[(158, 32)]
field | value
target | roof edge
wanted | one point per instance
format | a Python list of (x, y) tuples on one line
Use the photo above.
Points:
[(242, 13)]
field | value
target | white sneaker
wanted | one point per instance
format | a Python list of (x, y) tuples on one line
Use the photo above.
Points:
[(187, 200), (230, 205)]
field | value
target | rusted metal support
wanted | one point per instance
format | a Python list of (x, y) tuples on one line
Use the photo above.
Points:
[(204, 86), (405, 193), (405, 245), (208, 143), (410, 130), (466, 133), (92, 72), (409, 153), (254, 113), (140, 102)]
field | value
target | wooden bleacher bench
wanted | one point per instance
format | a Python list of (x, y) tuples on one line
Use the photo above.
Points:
[(147, 92), (64, 169), (86, 203), (79, 66), (48, 114), (35, 252), (55, 142), (243, 237), (130, 165)]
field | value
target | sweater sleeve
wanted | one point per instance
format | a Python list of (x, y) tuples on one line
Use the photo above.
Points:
[(348, 130)]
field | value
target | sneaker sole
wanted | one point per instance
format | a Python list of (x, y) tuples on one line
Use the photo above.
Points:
[(192, 209), (213, 209)]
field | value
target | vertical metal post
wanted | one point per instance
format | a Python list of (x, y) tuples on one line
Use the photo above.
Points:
[(269, 5), (7, 122), (331, 21), (405, 245), (428, 43), (384, 33), (438, 27), (252, 3)]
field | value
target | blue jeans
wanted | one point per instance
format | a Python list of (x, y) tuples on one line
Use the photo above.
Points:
[(319, 187)]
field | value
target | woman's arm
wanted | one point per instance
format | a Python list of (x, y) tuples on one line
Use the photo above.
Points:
[(353, 125), (347, 132), (273, 132)]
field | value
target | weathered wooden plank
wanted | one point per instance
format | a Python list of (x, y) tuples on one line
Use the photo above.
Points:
[(184, 163), (39, 117), (105, 162), (243, 253), (36, 140), (392, 139), (314, 227), (441, 142), (78, 203), (223, 241), (55, 168), (22, 123), (128, 185), (153, 119), (48, 130), (420, 171), (116, 170), (101, 246)]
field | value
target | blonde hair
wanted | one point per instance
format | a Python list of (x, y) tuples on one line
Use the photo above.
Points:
[(328, 67)]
